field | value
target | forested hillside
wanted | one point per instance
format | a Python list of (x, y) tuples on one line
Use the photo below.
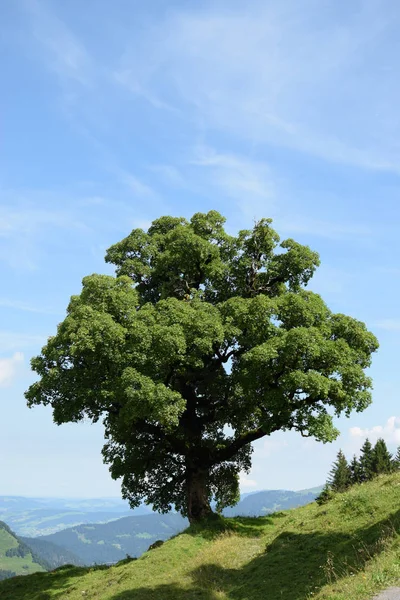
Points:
[(111, 542), (51, 554), (16, 558)]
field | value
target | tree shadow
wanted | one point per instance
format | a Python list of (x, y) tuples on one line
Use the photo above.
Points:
[(293, 567), (241, 526)]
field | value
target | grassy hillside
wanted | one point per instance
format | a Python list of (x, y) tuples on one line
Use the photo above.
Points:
[(15, 557), (346, 549)]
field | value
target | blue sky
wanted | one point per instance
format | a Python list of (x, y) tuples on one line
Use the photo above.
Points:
[(116, 113)]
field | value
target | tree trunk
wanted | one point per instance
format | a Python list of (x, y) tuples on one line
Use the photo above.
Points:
[(198, 506)]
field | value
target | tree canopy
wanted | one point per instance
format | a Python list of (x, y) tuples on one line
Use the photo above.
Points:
[(202, 343)]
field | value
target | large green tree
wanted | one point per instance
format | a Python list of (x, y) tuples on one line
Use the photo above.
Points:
[(201, 344)]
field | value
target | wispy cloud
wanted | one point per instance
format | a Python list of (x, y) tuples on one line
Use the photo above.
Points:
[(137, 187), (169, 174), (389, 325), (25, 307), (129, 80), (304, 77), (22, 225), (9, 368), (62, 51), (390, 431), (11, 340), (246, 181), (323, 228)]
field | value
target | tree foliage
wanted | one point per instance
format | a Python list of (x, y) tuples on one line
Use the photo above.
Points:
[(366, 461), (382, 459), (396, 460), (340, 475), (201, 344), (356, 474)]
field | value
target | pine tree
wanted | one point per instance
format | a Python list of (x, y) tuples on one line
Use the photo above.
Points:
[(355, 471), (339, 479), (396, 461), (381, 458), (325, 495), (366, 461)]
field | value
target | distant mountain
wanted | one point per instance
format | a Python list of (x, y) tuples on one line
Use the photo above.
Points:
[(111, 542), (262, 503), (16, 558), (51, 554), (42, 516)]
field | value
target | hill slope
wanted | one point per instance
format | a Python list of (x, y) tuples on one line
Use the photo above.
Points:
[(111, 542), (51, 554), (15, 557), (346, 549)]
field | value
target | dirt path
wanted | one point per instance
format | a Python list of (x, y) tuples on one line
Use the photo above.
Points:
[(390, 594)]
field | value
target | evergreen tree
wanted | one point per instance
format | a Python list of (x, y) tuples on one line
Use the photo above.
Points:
[(325, 495), (355, 471), (396, 461), (381, 458), (340, 474), (366, 461)]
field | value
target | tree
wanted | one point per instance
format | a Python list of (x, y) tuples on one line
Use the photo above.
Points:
[(201, 344), (325, 496), (381, 458), (355, 471), (396, 461), (340, 475), (366, 461)]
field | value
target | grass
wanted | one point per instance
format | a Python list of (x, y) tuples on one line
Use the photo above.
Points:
[(16, 564), (346, 549)]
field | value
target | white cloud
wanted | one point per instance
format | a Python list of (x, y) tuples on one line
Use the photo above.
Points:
[(390, 431), (245, 482), (9, 367)]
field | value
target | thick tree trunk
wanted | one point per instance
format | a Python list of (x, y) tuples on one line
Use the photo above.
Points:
[(198, 506)]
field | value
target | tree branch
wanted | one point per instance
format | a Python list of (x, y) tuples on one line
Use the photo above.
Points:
[(238, 443)]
